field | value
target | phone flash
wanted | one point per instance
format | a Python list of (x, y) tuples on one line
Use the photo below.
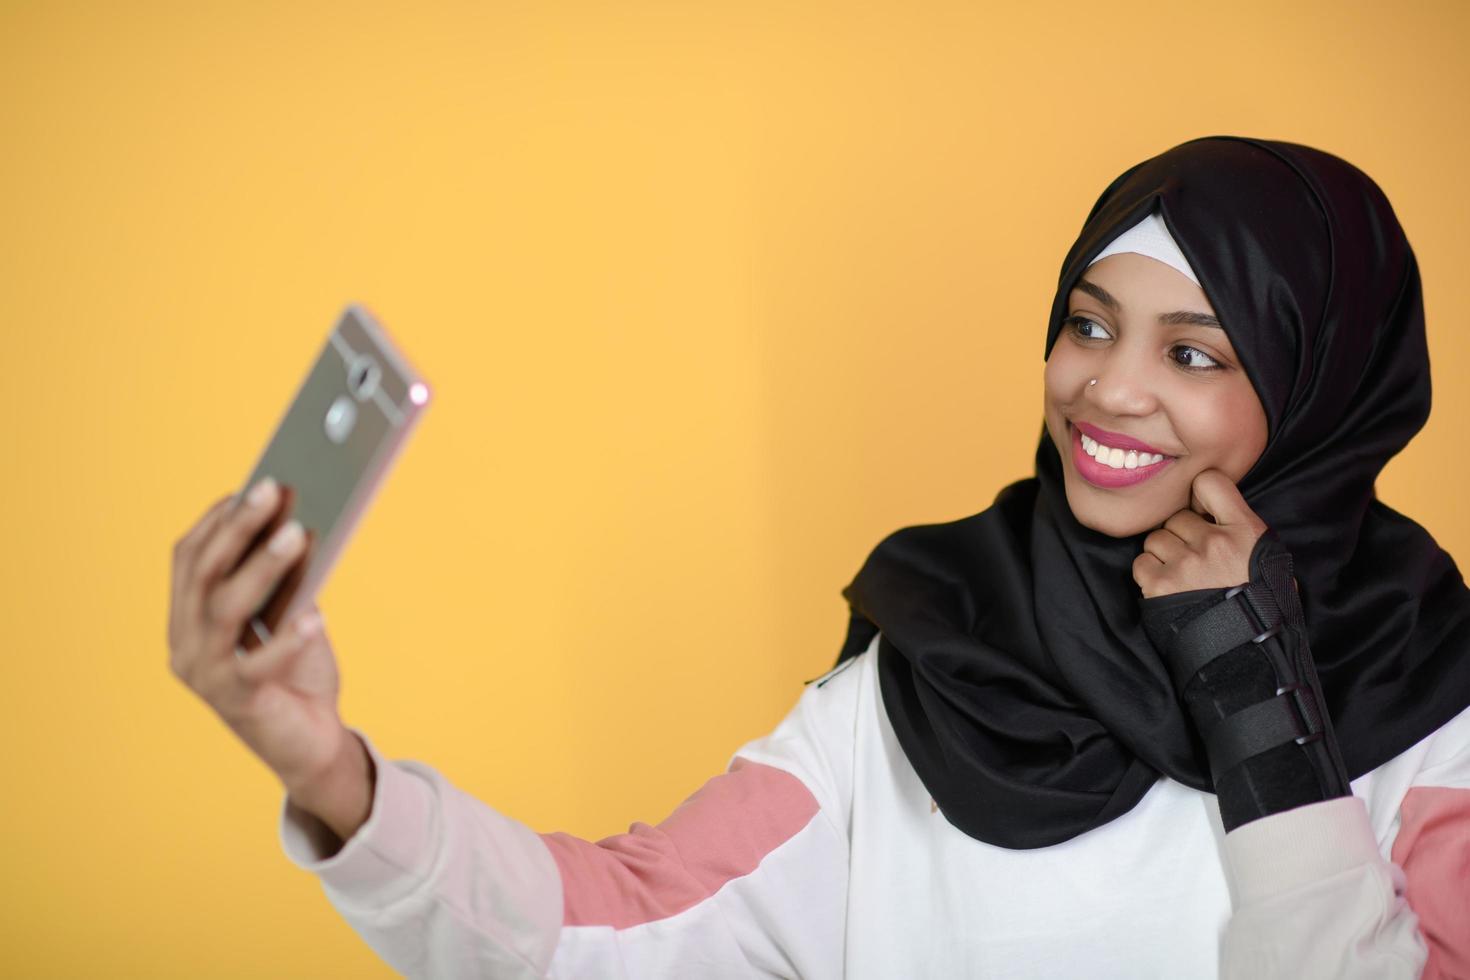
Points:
[(419, 393)]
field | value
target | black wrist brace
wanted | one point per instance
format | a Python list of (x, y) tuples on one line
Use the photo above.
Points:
[(1241, 664)]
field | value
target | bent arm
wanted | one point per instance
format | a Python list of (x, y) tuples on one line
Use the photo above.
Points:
[(1318, 895), (1315, 898)]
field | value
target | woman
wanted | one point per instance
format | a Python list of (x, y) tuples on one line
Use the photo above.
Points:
[(1188, 701)]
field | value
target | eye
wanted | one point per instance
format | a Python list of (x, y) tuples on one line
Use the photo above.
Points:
[(1199, 362), (1084, 328), (1080, 327)]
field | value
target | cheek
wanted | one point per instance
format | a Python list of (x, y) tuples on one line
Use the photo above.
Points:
[(1061, 375), (1227, 431)]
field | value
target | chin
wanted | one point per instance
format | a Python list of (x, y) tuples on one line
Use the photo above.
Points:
[(1117, 519), (1113, 527)]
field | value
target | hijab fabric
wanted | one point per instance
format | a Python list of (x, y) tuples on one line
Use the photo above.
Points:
[(1012, 662)]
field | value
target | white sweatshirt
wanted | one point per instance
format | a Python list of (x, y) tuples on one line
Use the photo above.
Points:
[(819, 854)]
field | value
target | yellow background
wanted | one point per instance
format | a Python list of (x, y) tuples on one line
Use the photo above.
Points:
[(711, 296)]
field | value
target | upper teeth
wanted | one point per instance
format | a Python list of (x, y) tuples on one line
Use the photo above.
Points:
[(1117, 458)]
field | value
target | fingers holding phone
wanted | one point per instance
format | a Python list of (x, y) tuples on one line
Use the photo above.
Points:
[(221, 572), (280, 698), (264, 574)]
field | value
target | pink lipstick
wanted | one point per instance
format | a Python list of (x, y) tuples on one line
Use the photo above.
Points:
[(1115, 440), (1103, 475)]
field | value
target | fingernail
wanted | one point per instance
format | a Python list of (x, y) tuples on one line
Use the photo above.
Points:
[(262, 492), (286, 539)]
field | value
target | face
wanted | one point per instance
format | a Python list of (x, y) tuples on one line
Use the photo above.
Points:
[(1168, 383)]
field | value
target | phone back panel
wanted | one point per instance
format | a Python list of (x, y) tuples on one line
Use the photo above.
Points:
[(331, 451)]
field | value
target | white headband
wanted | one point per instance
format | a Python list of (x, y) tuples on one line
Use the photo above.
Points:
[(1150, 237)]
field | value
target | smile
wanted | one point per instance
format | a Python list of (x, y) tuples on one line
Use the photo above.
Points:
[(1111, 467)]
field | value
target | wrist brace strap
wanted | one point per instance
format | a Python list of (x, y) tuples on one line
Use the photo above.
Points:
[(1241, 662)]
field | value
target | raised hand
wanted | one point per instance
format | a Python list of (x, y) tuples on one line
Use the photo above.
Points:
[(1189, 552), (281, 698)]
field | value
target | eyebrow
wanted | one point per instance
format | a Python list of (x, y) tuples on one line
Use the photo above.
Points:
[(1178, 316)]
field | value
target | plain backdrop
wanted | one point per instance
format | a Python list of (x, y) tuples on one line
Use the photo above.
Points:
[(712, 297)]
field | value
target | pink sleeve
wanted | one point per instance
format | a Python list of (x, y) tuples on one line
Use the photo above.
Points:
[(747, 877), (721, 833), (1433, 848)]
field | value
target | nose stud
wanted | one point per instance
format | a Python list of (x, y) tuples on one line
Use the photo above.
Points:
[(1092, 382)]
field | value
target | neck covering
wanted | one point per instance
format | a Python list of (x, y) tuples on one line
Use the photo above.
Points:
[(1150, 237), (1012, 662)]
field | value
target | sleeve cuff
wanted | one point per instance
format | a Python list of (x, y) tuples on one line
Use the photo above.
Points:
[(1294, 848), (390, 854)]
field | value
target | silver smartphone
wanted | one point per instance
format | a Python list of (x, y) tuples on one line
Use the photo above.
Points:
[(330, 453)]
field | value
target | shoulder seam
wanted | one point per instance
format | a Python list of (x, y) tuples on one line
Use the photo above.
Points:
[(821, 679)]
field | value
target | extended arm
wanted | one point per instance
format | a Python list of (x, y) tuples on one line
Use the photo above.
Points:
[(747, 877)]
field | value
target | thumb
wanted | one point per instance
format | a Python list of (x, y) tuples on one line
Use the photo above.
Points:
[(1215, 494)]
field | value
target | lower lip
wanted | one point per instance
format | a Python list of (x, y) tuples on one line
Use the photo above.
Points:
[(1103, 475)]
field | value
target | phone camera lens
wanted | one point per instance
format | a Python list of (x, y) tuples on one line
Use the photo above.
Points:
[(363, 375)]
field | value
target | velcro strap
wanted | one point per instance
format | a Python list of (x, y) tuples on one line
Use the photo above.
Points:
[(1216, 631), (1291, 716)]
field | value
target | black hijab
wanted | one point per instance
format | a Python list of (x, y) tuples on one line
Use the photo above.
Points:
[(1012, 662)]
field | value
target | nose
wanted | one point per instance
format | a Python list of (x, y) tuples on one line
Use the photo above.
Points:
[(1123, 388)]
